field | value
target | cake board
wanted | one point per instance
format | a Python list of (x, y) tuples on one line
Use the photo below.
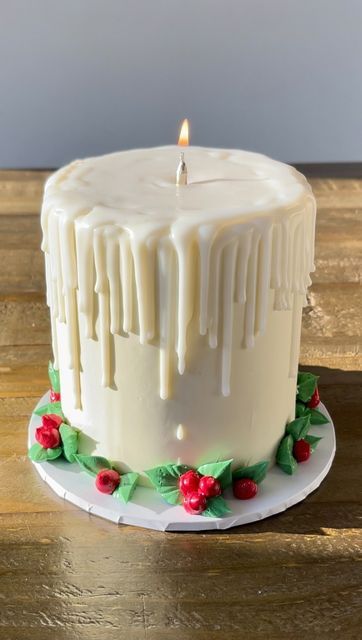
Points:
[(147, 509)]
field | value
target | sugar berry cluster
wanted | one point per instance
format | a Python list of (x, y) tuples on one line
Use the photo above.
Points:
[(107, 480), (245, 488), (47, 435), (54, 396), (196, 489), (315, 399), (302, 450)]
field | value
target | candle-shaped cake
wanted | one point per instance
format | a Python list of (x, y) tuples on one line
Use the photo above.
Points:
[(176, 310)]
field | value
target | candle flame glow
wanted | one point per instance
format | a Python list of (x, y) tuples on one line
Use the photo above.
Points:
[(183, 140)]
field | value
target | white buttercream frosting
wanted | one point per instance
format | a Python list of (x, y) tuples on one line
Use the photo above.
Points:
[(120, 226), (170, 305)]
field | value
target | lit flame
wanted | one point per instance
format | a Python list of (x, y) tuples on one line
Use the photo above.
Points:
[(184, 134)]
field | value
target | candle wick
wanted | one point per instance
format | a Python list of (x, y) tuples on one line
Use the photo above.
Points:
[(181, 173)]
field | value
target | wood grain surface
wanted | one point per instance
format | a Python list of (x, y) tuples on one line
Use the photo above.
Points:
[(67, 575)]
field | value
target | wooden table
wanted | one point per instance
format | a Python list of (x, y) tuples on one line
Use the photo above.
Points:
[(65, 574)]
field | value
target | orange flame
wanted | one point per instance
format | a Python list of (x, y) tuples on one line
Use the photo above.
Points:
[(183, 140)]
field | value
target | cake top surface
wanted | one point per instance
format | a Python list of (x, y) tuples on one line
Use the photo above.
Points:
[(140, 185)]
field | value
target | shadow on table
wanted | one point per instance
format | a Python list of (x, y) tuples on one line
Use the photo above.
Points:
[(337, 503)]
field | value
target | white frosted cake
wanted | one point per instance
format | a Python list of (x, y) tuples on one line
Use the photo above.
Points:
[(176, 310)]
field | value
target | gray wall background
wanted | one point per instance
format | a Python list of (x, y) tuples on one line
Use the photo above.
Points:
[(82, 77)]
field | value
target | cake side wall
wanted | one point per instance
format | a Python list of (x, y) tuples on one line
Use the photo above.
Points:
[(177, 342), (133, 426)]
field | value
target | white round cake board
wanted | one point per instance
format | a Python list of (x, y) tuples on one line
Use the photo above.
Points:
[(276, 493)]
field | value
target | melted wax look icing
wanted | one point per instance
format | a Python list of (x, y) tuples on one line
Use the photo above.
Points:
[(195, 274)]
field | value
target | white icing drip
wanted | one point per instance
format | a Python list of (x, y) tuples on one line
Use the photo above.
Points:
[(183, 245), (114, 282), (295, 338), (127, 282), (243, 257), (51, 302), (214, 293), (251, 285), (143, 259), (206, 235), (145, 266), (263, 283), (102, 289), (166, 273), (180, 432), (85, 268), (230, 254)]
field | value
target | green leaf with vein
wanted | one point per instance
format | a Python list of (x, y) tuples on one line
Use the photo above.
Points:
[(300, 409), (317, 417), (69, 437), (165, 479), (126, 486), (313, 441), (216, 508), (167, 474), (285, 459), (37, 453), (53, 377), (306, 385), (220, 470), (51, 407), (256, 472), (299, 427), (172, 495), (92, 464)]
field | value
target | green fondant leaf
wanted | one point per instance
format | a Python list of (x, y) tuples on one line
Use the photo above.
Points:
[(256, 472), (165, 480), (92, 464), (51, 407), (299, 427), (53, 377), (216, 508), (166, 475), (69, 438), (220, 470), (313, 441), (317, 417), (126, 487), (300, 409), (37, 453), (285, 458), (171, 494), (306, 385)]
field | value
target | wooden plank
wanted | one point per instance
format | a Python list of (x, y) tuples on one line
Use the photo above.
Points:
[(21, 191), (21, 233), (21, 271), (24, 320), (68, 575)]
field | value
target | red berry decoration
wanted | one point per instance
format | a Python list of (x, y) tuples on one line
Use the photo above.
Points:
[(54, 396), (209, 486), (302, 450), (107, 480), (315, 399), (52, 420), (194, 503), (48, 437), (245, 488), (189, 482)]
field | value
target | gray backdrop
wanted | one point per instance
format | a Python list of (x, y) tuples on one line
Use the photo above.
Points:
[(82, 77)]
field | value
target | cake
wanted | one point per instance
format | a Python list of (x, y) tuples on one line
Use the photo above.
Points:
[(176, 310)]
